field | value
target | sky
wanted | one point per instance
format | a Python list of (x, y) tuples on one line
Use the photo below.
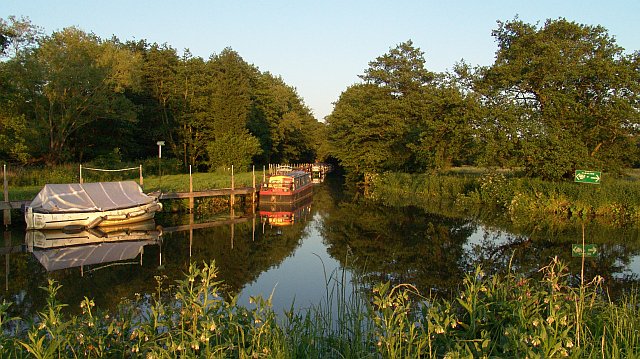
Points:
[(320, 47)]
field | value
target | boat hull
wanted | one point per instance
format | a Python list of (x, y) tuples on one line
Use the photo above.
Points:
[(85, 220), (289, 197)]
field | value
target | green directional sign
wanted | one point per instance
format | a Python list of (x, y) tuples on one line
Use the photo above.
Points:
[(588, 176), (590, 250)]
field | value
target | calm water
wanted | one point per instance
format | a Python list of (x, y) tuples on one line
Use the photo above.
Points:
[(297, 255)]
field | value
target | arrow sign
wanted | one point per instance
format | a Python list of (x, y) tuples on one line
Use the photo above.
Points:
[(590, 250), (583, 176)]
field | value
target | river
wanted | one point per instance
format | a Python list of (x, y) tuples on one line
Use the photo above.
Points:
[(304, 256)]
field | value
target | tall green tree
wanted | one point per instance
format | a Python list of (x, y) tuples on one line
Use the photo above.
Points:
[(18, 36), (366, 130), (404, 118), (445, 126), (231, 97), (73, 80), (284, 125), (191, 108), (578, 92), (402, 70), (159, 77)]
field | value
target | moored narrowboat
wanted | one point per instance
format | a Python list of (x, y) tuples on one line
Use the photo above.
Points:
[(287, 188)]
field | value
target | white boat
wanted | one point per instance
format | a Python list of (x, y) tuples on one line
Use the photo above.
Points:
[(88, 205)]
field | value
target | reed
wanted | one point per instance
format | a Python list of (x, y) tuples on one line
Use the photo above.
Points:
[(492, 316), (614, 202)]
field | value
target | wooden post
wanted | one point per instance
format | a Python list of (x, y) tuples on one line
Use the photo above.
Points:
[(81, 173), (190, 232), (7, 259), (253, 194), (5, 183), (141, 179), (190, 191), (264, 174), (233, 197)]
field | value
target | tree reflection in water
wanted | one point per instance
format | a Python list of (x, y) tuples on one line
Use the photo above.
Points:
[(431, 246)]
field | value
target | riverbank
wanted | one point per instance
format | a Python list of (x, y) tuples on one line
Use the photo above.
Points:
[(616, 201), (507, 316), (25, 185)]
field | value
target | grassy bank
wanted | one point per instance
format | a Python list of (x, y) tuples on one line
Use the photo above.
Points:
[(614, 201), (26, 183), (507, 316)]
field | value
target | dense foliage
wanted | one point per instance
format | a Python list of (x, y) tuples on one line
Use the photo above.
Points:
[(505, 316), (74, 97), (559, 97)]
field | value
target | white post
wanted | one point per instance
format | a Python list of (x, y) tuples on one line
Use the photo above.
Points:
[(141, 179)]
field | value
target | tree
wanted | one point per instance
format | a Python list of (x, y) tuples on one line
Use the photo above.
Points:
[(577, 90), (445, 126), (73, 80), (402, 70), (366, 130), (17, 35), (159, 77), (284, 125), (191, 108), (403, 118), (233, 148)]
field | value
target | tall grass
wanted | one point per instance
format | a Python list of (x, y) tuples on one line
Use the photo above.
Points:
[(615, 201), (500, 316)]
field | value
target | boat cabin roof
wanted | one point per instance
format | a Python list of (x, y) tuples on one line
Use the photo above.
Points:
[(288, 177)]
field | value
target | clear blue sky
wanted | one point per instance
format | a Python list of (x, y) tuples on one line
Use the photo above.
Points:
[(320, 47)]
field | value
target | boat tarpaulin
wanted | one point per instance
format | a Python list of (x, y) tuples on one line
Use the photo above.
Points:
[(89, 197)]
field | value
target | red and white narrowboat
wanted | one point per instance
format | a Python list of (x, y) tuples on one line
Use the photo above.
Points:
[(290, 187)]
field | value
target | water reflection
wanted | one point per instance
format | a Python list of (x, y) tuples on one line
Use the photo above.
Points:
[(292, 251), (281, 214), (90, 249)]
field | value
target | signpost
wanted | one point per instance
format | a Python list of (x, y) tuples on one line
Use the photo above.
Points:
[(588, 250), (160, 144), (584, 176)]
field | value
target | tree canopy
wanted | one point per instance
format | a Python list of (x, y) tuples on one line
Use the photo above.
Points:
[(72, 96), (558, 97)]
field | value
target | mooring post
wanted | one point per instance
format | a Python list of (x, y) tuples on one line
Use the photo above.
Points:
[(141, 178), (5, 183), (7, 259), (190, 191), (81, 173), (253, 194), (233, 197), (264, 174)]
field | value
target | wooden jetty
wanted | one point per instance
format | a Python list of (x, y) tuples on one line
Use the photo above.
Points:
[(246, 192), (13, 204), (242, 191)]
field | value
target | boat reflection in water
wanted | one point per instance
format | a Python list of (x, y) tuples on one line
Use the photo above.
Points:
[(285, 214), (60, 249)]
